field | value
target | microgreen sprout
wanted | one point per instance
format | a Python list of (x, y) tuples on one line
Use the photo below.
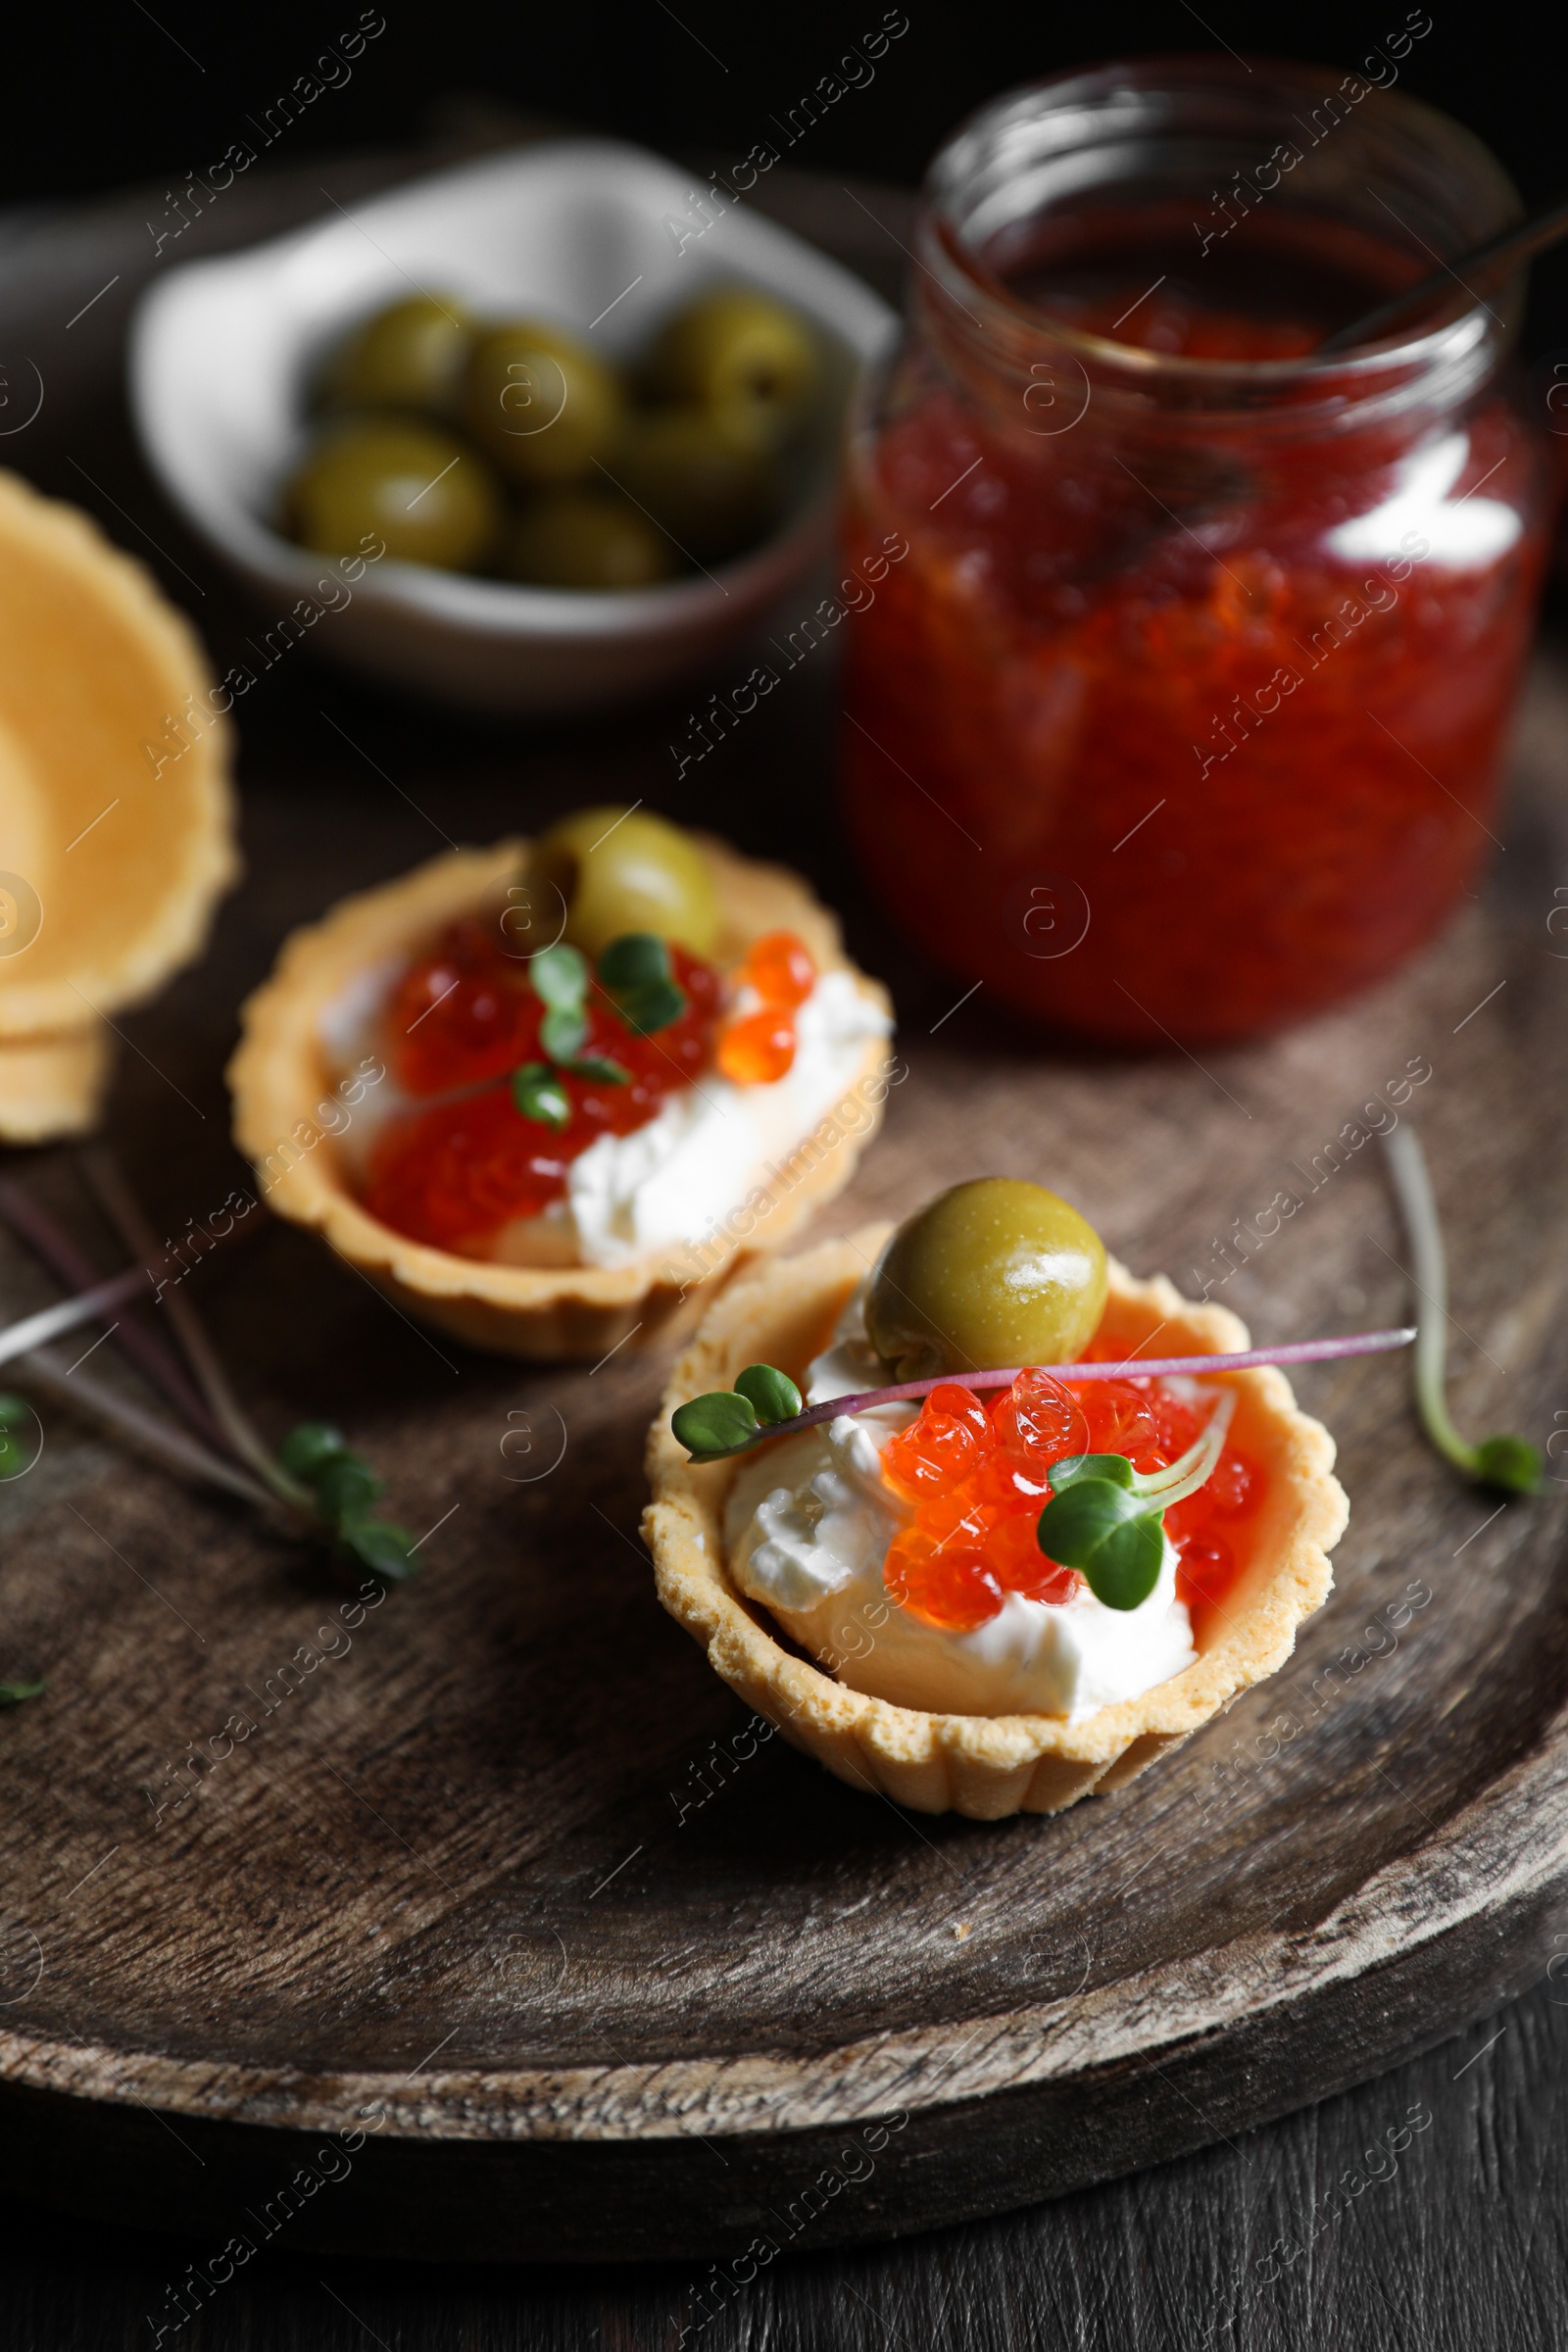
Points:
[(636, 974), (341, 1487), (1510, 1464), (773, 1394), (560, 980), (313, 1483), (710, 1434), (539, 1094), (14, 1414), (729, 1420), (1106, 1519), (313, 1486)]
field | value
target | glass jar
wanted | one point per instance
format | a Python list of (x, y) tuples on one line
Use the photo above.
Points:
[(1177, 700)]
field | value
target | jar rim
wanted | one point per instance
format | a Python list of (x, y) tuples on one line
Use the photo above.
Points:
[(1110, 94)]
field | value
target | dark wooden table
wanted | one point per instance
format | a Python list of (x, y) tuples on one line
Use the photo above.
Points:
[(1464, 2245), (1293, 2235)]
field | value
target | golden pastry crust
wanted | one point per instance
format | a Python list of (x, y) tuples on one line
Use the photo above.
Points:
[(50, 1086), (116, 810), (279, 1074), (984, 1765)]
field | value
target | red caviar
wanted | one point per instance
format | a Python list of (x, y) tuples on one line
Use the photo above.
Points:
[(978, 1477), (463, 1018), (759, 1047), (1182, 711), (756, 1049), (779, 967)]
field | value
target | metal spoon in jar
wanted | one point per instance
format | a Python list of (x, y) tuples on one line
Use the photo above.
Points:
[(1493, 260)]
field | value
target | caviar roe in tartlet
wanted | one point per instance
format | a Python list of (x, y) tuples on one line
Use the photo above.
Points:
[(757, 1044), (1106, 600), (467, 1015), (978, 1476), (1030, 1485), (467, 1012)]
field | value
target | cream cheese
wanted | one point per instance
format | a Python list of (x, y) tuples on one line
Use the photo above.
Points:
[(674, 1180), (678, 1178), (806, 1532)]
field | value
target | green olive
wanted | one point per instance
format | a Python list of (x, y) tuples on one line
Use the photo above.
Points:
[(586, 539), (541, 405), (994, 1273), (743, 356), (427, 498), (622, 870), (711, 493), (408, 357)]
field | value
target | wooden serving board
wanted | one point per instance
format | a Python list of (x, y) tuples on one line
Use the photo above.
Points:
[(503, 1879)]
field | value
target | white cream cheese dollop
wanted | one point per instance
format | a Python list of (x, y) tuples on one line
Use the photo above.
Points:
[(808, 1527), (677, 1180)]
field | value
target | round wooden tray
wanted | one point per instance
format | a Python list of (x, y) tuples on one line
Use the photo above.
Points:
[(512, 1886), (503, 1932)]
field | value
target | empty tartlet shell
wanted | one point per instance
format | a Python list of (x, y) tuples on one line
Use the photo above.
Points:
[(983, 1765), (114, 755), (51, 1086), (280, 1073), (117, 819)]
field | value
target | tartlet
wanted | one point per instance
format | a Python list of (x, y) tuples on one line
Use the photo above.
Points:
[(280, 1073), (52, 1086), (981, 1765), (115, 811)]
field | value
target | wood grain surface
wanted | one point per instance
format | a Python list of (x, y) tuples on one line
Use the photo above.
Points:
[(463, 1875), (1263, 2243)]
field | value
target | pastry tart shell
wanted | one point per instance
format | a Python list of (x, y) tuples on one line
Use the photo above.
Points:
[(982, 1765), (116, 816), (51, 1086), (280, 1072)]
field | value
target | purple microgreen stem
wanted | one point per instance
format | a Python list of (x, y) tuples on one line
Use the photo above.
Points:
[(161, 1439), (69, 1314), (1138, 1368), (125, 1211), (150, 1353)]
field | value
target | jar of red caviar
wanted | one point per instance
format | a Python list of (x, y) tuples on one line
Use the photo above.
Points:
[(1184, 712)]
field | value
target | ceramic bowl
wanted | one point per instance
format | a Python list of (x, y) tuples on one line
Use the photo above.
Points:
[(600, 236)]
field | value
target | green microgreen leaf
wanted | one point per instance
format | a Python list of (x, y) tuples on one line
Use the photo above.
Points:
[(1511, 1464), (1109, 1535), (599, 1066), (563, 1032), (343, 1486), (1508, 1463), (635, 972), (634, 959), (711, 1425), (650, 1009), (346, 1487), (558, 977), (15, 1415), (539, 1094), (773, 1392), (382, 1547), (307, 1449), (12, 1694), (1073, 1466)]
